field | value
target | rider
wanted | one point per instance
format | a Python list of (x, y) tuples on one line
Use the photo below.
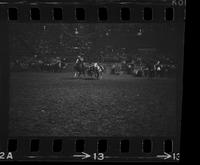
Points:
[(157, 66), (79, 60), (78, 65), (99, 67)]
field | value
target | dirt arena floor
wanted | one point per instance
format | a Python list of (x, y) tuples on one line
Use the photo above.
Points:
[(56, 104)]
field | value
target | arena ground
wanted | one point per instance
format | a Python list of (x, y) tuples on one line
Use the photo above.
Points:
[(56, 104)]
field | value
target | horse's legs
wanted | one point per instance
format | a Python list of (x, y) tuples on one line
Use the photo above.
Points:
[(79, 74), (84, 73), (97, 75), (100, 75)]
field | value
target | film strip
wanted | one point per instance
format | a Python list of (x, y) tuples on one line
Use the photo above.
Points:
[(102, 12), (91, 81)]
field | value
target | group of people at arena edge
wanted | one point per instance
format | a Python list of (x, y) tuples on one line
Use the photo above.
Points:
[(136, 67)]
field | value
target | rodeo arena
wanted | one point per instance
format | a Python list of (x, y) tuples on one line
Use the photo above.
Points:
[(137, 67), (88, 80)]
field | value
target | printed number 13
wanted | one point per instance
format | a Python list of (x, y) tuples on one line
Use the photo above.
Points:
[(98, 156), (176, 156)]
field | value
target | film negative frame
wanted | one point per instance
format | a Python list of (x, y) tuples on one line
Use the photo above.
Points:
[(87, 148)]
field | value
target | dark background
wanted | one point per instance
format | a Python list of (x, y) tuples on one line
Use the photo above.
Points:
[(53, 40)]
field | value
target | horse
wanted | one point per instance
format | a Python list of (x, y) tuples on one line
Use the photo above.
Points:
[(80, 68), (97, 70), (92, 70), (100, 70)]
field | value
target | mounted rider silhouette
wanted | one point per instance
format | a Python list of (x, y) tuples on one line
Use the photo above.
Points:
[(79, 66), (79, 60), (157, 68), (99, 69)]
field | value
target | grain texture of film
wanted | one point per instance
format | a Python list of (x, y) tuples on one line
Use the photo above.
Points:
[(99, 80)]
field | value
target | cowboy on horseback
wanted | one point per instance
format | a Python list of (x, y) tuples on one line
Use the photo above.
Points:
[(79, 60), (99, 70), (158, 68), (79, 66)]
